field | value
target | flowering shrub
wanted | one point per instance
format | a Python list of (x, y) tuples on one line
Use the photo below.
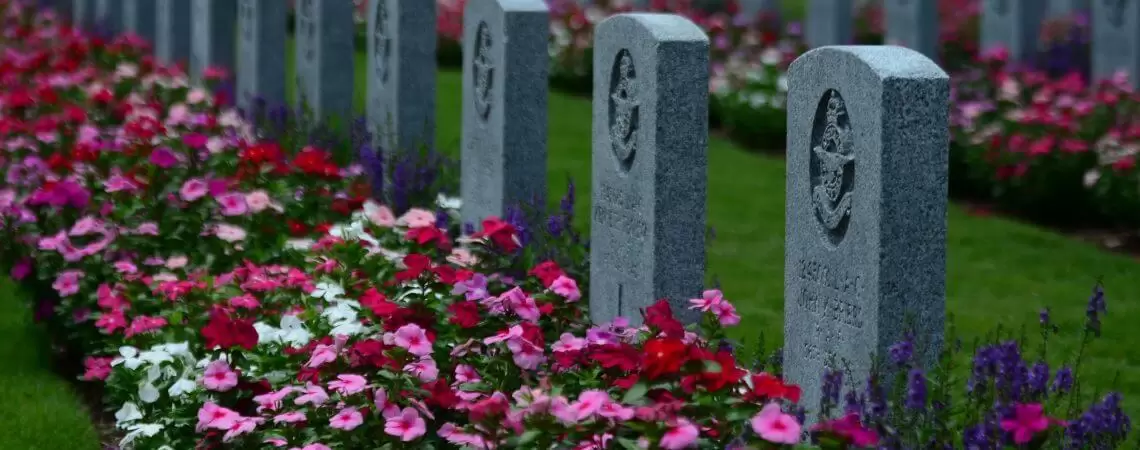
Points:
[(230, 291), (1029, 142)]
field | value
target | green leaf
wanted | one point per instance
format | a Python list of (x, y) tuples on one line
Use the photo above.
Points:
[(635, 393), (529, 437)]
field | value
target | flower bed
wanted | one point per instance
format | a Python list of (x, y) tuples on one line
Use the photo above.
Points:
[(235, 292)]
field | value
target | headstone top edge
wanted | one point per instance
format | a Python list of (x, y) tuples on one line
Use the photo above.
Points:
[(661, 26), (886, 61), (522, 5)]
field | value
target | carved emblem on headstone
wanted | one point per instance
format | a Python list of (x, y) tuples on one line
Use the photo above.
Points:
[(381, 42), (1114, 10), (482, 70), (1000, 6), (624, 109), (832, 180)]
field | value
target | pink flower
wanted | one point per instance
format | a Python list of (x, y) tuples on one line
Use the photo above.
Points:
[(177, 262), (417, 218), (774, 426), (322, 354), (210, 415), (247, 301), (316, 446), (259, 201), (713, 301), (425, 369), (567, 288), (407, 426), (414, 339), (682, 434), (193, 189), (163, 157), (219, 377), (124, 266), (241, 426), (233, 204), (312, 394), (1028, 420), (346, 419), (229, 233), (67, 282), (272, 400), (289, 417), (589, 402), (726, 314), (145, 324), (348, 384), (96, 368)]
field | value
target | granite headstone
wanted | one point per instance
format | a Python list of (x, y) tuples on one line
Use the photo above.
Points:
[(1013, 25), (139, 18), (829, 22), (865, 255), (401, 74), (1065, 8), (650, 157), (109, 15), (752, 8), (1116, 39), (913, 24), (505, 76), (324, 34), (83, 13), (214, 35), (172, 26), (261, 55)]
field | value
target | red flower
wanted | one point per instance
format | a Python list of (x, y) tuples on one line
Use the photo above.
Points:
[(720, 371), (416, 265), (502, 234), (621, 356), (441, 394), (427, 235), (465, 314), (664, 356), (547, 272), (850, 429), (660, 316), (378, 303), (226, 332), (766, 386)]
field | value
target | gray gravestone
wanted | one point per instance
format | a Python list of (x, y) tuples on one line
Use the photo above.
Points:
[(650, 144), (172, 26), (1116, 39), (866, 209), (1064, 8), (505, 74), (261, 54), (213, 43), (324, 37), (1012, 24), (139, 18), (401, 74), (109, 15), (829, 22), (913, 24), (83, 13)]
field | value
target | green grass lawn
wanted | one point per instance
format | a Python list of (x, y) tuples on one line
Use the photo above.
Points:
[(40, 410), (999, 271)]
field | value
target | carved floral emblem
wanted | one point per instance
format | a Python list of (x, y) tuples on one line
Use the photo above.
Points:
[(482, 71), (624, 109), (832, 171)]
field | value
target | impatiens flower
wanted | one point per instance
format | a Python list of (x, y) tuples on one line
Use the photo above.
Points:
[(348, 384), (219, 377), (567, 288), (773, 425), (682, 434), (311, 394), (210, 415), (163, 157), (414, 339), (229, 233), (193, 189), (425, 369), (232, 204), (1028, 420), (322, 354), (850, 428), (67, 282), (380, 215), (416, 218), (129, 412), (289, 417), (96, 368), (407, 426), (347, 419), (241, 426)]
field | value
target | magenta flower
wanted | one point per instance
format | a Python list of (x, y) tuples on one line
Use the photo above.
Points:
[(567, 288), (233, 204), (1028, 420), (163, 157), (682, 434), (193, 189), (210, 415), (67, 282), (219, 377), (348, 384), (773, 425), (414, 339), (347, 419)]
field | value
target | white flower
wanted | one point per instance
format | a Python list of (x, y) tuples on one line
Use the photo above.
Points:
[(141, 429), (782, 83), (446, 202), (266, 333), (293, 331), (328, 291), (182, 387), (299, 244), (128, 357), (175, 349), (347, 328), (340, 312), (155, 356), (128, 413)]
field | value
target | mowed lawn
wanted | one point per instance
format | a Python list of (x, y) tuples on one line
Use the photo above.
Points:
[(999, 272), (40, 410)]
